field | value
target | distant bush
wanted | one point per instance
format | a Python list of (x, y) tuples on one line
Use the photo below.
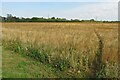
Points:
[(11, 18)]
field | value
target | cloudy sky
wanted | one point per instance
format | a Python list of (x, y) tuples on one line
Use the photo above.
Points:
[(59, 0), (77, 9)]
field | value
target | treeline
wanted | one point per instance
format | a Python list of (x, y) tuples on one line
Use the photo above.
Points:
[(11, 18)]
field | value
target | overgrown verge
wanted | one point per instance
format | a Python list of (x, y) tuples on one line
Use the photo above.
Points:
[(70, 64), (41, 54)]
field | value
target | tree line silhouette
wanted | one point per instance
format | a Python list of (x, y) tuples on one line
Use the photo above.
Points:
[(11, 18)]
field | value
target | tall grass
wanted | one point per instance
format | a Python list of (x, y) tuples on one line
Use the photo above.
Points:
[(74, 49)]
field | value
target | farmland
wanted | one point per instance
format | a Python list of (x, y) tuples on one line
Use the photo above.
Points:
[(66, 50)]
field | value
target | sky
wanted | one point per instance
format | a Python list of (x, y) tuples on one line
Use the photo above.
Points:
[(59, 0), (87, 9)]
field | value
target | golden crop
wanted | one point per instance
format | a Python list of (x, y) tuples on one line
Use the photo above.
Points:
[(81, 37)]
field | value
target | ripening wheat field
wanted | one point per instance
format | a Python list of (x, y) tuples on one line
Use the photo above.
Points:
[(79, 50)]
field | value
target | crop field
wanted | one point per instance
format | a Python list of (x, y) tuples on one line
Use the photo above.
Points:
[(61, 50)]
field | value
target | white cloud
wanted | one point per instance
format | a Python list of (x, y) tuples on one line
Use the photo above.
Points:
[(60, 0), (103, 11)]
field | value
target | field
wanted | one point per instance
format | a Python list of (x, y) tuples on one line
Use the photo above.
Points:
[(66, 50)]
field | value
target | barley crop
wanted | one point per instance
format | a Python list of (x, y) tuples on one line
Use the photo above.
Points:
[(75, 49)]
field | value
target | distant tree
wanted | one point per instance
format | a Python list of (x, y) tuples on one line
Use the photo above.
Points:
[(35, 19), (92, 20), (11, 18), (82, 20), (4, 19), (53, 18), (0, 18), (75, 20), (28, 20)]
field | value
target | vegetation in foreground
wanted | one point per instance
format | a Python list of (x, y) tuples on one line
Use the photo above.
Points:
[(76, 50), (19, 66)]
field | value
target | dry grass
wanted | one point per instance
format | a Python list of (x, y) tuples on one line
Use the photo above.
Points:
[(61, 38)]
